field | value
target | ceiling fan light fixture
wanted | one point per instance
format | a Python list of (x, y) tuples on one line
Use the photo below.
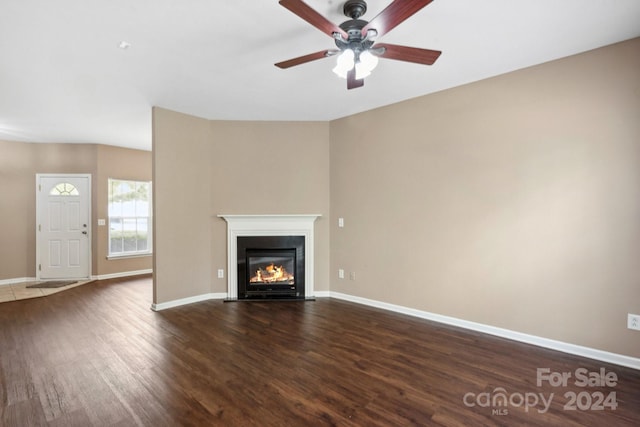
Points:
[(369, 60), (345, 62), (365, 65)]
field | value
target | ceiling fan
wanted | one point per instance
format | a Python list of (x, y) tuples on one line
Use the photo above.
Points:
[(357, 51)]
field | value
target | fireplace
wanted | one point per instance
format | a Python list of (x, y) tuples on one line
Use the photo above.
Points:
[(270, 244), (270, 267)]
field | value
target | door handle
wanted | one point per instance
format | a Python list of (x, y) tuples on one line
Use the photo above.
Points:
[(84, 232)]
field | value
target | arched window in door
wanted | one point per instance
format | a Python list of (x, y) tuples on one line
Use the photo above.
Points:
[(64, 189)]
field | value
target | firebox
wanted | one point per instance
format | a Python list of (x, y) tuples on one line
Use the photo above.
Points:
[(270, 267)]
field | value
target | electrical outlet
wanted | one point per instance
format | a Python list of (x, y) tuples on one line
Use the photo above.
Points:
[(220, 273), (352, 276), (341, 222), (633, 321), (340, 273)]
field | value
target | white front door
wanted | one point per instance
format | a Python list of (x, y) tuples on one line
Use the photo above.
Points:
[(63, 226)]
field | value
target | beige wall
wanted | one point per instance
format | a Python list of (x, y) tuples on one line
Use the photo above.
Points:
[(204, 168), (17, 210), (512, 202), (182, 211), (19, 164), (271, 168), (119, 163)]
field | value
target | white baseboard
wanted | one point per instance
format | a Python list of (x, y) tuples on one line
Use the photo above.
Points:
[(7, 282), (578, 350), (189, 300), (121, 274), (322, 294)]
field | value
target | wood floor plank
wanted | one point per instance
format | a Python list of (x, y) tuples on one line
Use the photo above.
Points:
[(96, 355)]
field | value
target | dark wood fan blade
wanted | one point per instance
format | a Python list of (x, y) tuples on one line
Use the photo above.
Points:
[(408, 54), (303, 59), (393, 15), (352, 82), (305, 12)]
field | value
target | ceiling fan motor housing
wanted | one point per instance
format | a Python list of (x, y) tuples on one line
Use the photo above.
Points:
[(355, 42), (353, 27)]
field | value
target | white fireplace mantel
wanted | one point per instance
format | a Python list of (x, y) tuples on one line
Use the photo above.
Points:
[(268, 225)]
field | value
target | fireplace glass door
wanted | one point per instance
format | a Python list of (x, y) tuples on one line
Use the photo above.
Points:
[(272, 267)]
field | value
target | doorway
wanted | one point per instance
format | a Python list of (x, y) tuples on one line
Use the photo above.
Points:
[(63, 226)]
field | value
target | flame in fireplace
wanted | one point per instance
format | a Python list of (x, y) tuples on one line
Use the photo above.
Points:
[(272, 274)]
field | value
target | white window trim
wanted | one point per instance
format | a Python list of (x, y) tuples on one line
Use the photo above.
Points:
[(131, 255), (137, 254)]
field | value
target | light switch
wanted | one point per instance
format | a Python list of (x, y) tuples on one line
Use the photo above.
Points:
[(102, 221), (340, 222)]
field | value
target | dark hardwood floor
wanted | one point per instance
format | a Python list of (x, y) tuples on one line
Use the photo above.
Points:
[(96, 355)]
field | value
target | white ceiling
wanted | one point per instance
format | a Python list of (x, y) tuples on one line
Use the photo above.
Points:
[(63, 77)]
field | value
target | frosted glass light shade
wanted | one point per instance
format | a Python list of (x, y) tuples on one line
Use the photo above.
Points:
[(345, 63), (366, 64)]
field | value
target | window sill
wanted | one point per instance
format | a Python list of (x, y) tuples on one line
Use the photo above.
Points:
[(111, 257)]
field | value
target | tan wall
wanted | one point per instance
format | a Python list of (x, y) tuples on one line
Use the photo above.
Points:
[(203, 168), (17, 210), (271, 168), (19, 164), (512, 202), (182, 211), (119, 163)]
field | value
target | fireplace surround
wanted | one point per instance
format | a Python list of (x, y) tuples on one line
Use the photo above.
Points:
[(240, 227), (271, 267)]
